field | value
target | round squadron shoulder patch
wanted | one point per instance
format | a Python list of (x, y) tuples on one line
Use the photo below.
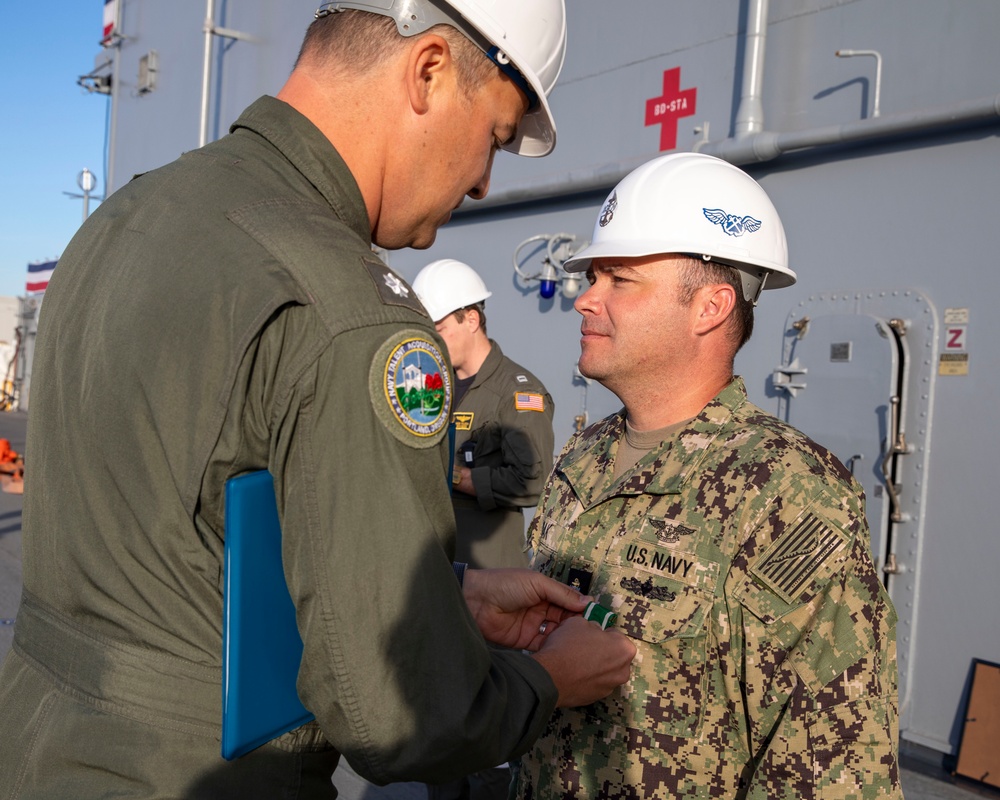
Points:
[(410, 387)]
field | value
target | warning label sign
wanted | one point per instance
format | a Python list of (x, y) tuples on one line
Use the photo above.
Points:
[(953, 364)]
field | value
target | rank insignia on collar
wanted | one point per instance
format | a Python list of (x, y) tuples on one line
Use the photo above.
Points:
[(396, 285), (392, 290), (410, 387)]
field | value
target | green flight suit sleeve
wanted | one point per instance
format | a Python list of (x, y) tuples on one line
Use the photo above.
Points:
[(526, 444), (818, 657), (394, 667)]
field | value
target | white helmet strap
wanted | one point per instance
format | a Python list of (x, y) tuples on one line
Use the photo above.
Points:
[(412, 16), (748, 281), (752, 282)]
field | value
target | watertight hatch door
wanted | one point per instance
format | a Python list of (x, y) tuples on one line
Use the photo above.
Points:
[(837, 377)]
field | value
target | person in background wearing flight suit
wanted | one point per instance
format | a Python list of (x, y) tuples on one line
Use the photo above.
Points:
[(225, 314), (503, 450), (733, 549), (503, 422)]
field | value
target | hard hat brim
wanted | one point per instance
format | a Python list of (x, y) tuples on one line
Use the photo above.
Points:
[(779, 277), (536, 133)]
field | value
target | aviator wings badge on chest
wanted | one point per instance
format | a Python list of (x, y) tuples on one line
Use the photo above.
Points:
[(463, 420)]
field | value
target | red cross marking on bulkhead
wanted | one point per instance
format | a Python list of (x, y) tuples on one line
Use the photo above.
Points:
[(667, 109)]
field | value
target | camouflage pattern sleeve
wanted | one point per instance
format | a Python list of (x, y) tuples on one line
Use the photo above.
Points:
[(819, 654)]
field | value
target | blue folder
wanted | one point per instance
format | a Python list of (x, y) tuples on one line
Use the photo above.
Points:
[(261, 647)]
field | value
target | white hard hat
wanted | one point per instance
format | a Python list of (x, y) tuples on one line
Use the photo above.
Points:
[(525, 38), (698, 205), (448, 285)]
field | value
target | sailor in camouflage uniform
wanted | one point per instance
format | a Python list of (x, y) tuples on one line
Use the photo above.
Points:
[(733, 549)]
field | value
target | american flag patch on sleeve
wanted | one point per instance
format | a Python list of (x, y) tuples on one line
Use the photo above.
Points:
[(529, 401), (788, 564)]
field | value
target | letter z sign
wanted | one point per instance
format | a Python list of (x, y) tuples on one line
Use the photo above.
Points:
[(954, 337)]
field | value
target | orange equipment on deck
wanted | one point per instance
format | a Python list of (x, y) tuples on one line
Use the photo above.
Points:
[(11, 469)]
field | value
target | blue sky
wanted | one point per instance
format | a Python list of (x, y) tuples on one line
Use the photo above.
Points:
[(52, 130)]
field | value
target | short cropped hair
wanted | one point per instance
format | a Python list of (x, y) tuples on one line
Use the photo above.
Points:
[(355, 42), (479, 308), (696, 273)]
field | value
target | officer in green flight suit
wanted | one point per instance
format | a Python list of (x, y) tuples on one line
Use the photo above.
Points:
[(503, 421), (225, 314)]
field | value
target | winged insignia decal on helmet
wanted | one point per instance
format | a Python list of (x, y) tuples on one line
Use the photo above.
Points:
[(731, 223)]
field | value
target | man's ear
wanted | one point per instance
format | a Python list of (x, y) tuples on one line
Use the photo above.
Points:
[(428, 59), (716, 303), (476, 324)]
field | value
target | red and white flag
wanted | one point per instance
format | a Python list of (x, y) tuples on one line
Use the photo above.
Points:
[(110, 7), (39, 275)]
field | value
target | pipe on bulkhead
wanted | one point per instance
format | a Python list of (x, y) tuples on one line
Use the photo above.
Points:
[(765, 146), (206, 72), (878, 71), (754, 148), (750, 114), (109, 175)]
